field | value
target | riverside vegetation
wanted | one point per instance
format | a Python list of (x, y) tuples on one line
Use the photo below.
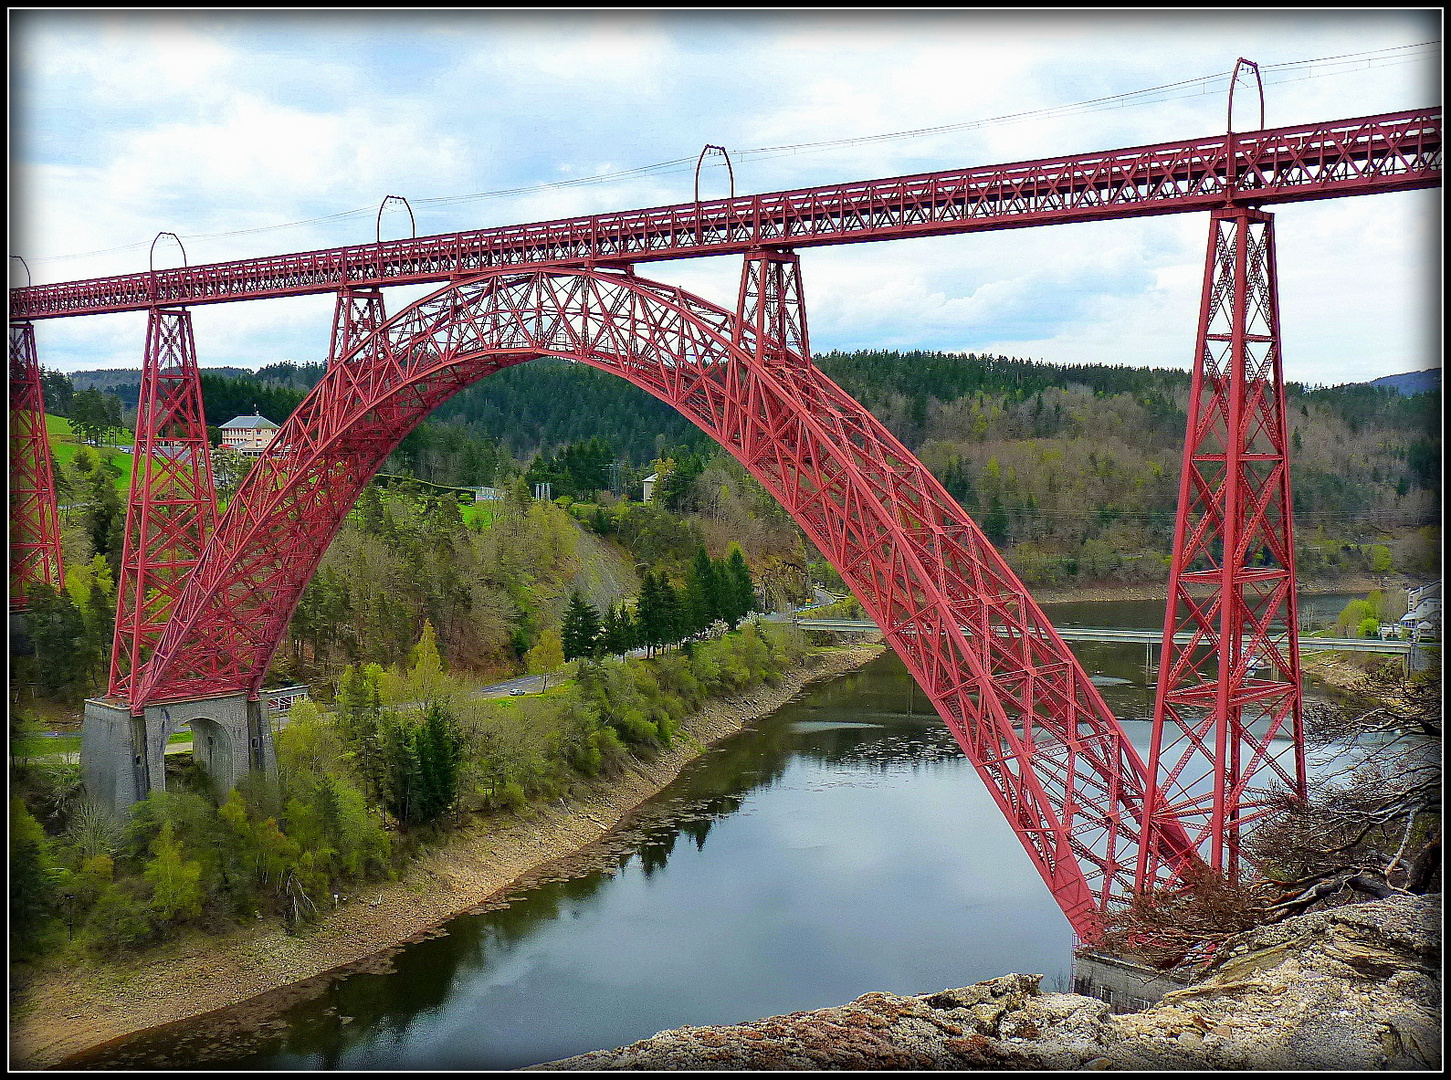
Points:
[(404, 753), (407, 748), (414, 586)]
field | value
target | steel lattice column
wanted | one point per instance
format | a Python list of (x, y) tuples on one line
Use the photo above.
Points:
[(1225, 697), (357, 314), (172, 508), (34, 524), (770, 310)]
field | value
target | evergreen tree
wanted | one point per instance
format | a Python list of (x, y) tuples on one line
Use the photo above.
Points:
[(702, 594), (65, 652), (672, 612), (370, 510), (581, 630), (359, 712), (89, 415), (438, 747), (995, 525), (739, 589), (57, 389), (650, 613), (616, 635), (422, 758), (101, 512)]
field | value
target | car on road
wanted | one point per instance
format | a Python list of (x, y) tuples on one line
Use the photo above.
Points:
[(518, 691)]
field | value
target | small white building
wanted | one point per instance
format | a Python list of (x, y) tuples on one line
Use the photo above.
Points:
[(647, 486), (1423, 618), (249, 435)]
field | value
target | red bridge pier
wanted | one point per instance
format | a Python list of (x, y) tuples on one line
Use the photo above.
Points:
[(170, 516)]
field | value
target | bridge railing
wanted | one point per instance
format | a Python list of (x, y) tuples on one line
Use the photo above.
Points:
[(1148, 636)]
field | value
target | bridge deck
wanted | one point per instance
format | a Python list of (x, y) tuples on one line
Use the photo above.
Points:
[(1150, 637), (1331, 159)]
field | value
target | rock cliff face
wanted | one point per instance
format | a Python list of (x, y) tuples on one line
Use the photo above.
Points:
[(1355, 987)]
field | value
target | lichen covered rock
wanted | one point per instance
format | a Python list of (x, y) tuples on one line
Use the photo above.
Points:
[(1355, 987)]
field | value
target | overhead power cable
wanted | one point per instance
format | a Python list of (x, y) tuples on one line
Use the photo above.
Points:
[(1290, 71)]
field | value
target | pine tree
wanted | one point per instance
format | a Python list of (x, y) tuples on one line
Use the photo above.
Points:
[(359, 712), (672, 612), (101, 511), (995, 525), (438, 750), (65, 653), (741, 590), (615, 635), (581, 629), (650, 613), (701, 600)]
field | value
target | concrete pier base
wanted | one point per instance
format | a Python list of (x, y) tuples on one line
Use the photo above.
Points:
[(123, 757), (1126, 986)]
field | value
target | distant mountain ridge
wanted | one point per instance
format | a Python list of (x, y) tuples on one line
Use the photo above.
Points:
[(1411, 382)]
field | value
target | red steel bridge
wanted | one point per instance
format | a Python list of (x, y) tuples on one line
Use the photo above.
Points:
[(204, 603)]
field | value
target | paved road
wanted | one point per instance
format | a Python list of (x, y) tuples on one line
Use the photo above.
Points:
[(530, 684)]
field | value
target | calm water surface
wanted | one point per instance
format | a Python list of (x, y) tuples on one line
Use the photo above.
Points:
[(842, 845)]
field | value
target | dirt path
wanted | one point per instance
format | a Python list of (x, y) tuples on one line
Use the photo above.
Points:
[(59, 1013)]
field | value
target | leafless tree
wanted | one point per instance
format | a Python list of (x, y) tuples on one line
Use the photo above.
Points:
[(1374, 826), (1368, 829)]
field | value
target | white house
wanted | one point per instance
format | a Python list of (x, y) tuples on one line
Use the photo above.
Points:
[(249, 435), (647, 485), (1423, 614)]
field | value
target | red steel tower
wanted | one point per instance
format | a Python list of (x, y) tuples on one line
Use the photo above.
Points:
[(1229, 691), (356, 315), (34, 524), (770, 305), (172, 508)]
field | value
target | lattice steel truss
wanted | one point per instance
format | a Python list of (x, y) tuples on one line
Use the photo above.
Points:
[(1012, 693), (35, 553), (1390, 152), (1035, 728), (1229, 699), (172, 509)]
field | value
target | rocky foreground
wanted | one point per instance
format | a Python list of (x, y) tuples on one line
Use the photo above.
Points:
[(1356, 987)]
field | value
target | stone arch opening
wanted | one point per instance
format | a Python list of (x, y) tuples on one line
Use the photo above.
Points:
[(212, 750)]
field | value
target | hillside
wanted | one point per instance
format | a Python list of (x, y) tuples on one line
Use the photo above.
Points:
[(1071, 469)]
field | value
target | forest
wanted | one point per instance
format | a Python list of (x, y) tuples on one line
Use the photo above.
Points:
[(1072, 470)]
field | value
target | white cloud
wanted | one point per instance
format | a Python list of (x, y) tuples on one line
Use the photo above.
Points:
[(205, 124)]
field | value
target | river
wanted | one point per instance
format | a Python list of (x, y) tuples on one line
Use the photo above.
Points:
[(839, 846)]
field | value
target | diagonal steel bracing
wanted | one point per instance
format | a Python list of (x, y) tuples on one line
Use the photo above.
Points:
[(35, 552), (172, 507), (1227, 736), (1061, 769)]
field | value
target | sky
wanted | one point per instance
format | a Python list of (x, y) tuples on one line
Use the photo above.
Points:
[(221, 127)]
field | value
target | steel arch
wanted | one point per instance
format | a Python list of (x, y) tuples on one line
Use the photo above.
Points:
[(1057, 762)]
